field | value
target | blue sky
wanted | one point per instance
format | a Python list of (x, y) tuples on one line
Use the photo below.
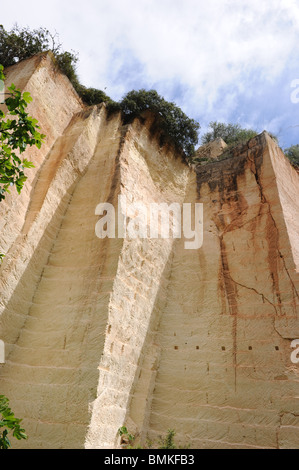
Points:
[(225, 60)]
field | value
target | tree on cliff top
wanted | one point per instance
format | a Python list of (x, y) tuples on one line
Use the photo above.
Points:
[(9, 424), (182, 130), (232, 134), (22, 43), (18, 130)]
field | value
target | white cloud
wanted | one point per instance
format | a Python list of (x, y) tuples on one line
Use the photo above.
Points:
[(205, 46)]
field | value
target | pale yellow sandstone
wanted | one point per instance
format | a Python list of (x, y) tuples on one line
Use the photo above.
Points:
[(142, 332), (211, 150)]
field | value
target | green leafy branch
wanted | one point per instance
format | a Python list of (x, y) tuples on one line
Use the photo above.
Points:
[(18, 130), (10, 423), (126, 438)]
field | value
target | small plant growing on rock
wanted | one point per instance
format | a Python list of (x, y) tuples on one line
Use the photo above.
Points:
[(126, 438), (164, 442), (167, 442), (22, 43)]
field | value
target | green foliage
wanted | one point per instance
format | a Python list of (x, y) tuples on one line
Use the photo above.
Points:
[(293, 155), (124, 433), (167, 442), (182, 130), (232, 134), (9, 423), (91, 96), (23, 43), (18, 130)]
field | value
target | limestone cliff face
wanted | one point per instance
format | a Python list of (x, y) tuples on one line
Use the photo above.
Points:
[(142, 332)]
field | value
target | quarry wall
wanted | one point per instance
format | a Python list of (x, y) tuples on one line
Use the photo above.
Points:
[(101, 333)]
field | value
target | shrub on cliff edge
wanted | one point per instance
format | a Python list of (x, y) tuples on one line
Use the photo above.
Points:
[(182, 130), (23, 43)]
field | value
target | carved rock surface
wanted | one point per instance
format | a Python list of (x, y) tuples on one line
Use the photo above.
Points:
[(211, 150), (142, 332)]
